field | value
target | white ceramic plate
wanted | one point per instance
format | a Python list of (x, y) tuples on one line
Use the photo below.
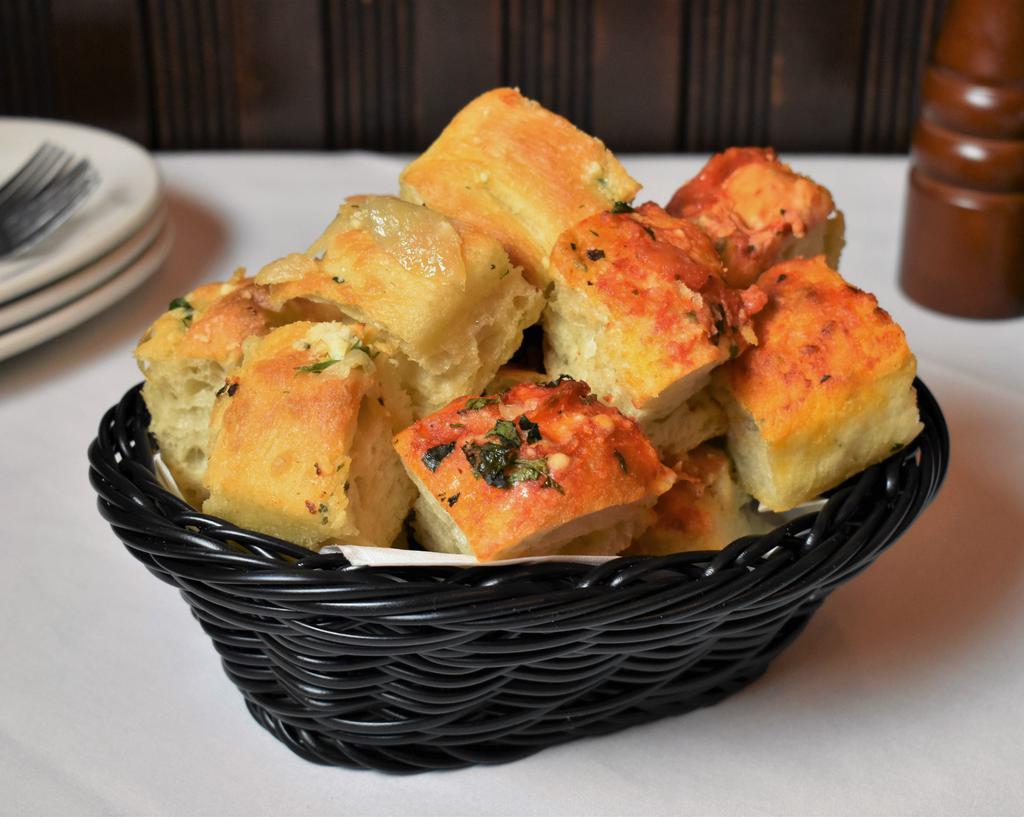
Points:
[(127, 195), (38, 303), (80, 310)]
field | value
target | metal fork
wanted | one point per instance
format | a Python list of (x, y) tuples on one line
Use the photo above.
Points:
[(41, 196)]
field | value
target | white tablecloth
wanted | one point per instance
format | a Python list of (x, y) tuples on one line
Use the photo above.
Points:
[(903, 696)]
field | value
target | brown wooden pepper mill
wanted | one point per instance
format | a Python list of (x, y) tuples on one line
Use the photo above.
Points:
[(963, 242)]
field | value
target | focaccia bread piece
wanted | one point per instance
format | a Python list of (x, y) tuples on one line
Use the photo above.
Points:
[(538, 470), (640, 311), (300, 441), (826, 392), (697, 420), (445, 295), (185, 355), (518, 172), (759, 212), (704, 510)]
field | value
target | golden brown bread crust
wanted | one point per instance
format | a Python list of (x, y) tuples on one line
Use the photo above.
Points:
[(185, 355), (704, 510), (752, 205), (825, 393), (646, 291), (587, 458), (518, 172), (282, 434), (444, 294)]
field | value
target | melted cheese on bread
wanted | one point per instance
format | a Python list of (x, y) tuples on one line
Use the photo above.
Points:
[(758, 211), (825, 393), (539, 469)]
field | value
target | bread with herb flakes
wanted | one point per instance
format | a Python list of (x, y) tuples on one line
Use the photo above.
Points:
[(758, 211), (518, 172), (705, 510), (827, 392), (540, 469), (445, 295), (641, 312), (300, 440), (185, 355)]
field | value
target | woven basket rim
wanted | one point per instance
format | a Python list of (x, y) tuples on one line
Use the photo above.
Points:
[(132, 499)]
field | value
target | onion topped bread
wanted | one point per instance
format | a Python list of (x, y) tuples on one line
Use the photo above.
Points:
[(536, 470), (758, 211)]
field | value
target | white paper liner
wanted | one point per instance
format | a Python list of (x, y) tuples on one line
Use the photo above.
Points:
[(399, 557)]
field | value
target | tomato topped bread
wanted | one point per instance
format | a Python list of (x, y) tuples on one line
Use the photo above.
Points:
[(827, 391), (640, 310), (704, 510), (518, 172), (444, 294), (537, 470), (184, 356), (300, 440), (758, 212)]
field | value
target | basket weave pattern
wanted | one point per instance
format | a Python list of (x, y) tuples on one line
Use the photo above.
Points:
[(406, 669)]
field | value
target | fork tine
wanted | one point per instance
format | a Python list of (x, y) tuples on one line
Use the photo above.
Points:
[(42, 215), (25, 180), (49, 165)]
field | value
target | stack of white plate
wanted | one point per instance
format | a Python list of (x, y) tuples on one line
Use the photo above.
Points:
[(114, 242)]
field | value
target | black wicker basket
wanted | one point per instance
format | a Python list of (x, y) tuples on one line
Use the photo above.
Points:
[(408, 669)]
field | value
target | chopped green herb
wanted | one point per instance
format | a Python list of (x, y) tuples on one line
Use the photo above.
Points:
[(221, 390), (453, 499), (594, 232), (895, 447), (477, 403), (692, 316), (572, 245), (782, 211), (622, 461), (505, 272), (322, 508), (187, 320), (489, 461), (180, 303), (362, 347), (506, 430), (650, 232), (557, 381), (733, 350), (531, 428), (456, 425), (316, 368), (825, 377), (337, 280), (595, 255), (622, 207), (781, 278), (434, 456), (232, 389), (529, 470)]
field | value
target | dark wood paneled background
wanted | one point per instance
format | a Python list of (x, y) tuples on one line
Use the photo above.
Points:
[(648, 75)]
